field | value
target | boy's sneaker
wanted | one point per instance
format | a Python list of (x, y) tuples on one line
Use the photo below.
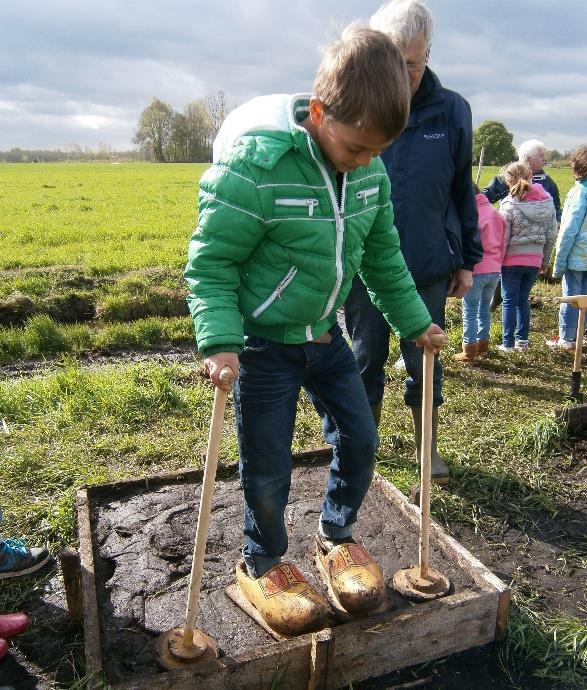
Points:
[(521, 345), (505, 348), (17, 559), (560, 343)]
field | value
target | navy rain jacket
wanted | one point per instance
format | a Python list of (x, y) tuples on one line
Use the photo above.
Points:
[(431, 187)]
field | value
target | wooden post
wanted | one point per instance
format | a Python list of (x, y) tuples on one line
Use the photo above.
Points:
[(72, 580), (321, 655)]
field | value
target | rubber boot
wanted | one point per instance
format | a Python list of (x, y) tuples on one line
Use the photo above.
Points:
[(376, 410), (439, 469), (482, 348), (468, 355)]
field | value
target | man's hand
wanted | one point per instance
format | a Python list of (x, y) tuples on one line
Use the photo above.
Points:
[(216, 363), (460, 283), (423, 340)]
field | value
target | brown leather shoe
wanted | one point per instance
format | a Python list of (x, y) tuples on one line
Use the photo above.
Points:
[(355, 579), (467, 356), (285, 599)]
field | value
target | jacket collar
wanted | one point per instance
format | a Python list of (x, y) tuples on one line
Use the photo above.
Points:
[(428, 91), (427, 101), (298, 110)]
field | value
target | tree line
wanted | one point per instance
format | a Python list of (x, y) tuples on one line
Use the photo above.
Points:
[(69, 153), (166, 136)]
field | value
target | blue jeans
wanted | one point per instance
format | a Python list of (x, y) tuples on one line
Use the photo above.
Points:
[(574, 283), (370, 331), (477, 307), (516, 283), (265, 397)]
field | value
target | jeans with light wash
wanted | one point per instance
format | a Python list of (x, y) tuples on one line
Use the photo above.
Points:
[(369, 332), (516, 283), (477, 307), (265, 398), (574, 283)]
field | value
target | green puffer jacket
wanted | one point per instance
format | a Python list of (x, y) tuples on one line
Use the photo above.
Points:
[(275, 252)]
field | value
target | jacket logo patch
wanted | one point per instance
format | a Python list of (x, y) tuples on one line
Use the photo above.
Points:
[(434, 135)]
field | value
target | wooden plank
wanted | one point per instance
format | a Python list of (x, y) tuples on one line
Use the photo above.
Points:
[(93, 649), (420, 634), (280, 665), (321, 454)]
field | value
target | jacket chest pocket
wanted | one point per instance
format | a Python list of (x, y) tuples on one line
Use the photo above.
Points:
[(367, 196), (284, 207)]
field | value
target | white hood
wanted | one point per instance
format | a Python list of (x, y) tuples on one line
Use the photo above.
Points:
[(264, 113)]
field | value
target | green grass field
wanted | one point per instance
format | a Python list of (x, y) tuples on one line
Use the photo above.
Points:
[(125, 229), (105, 218), (110, 218)]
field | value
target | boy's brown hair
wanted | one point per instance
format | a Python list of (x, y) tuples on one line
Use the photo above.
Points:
[(518, 178), (362, 81), (579, 162)]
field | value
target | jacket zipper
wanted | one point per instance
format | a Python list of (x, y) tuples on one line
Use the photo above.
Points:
[(364, 194), (310, 203), (339, 221), (289, 276)]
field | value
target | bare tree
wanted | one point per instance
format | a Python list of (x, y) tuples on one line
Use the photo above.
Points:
[(218, 109)]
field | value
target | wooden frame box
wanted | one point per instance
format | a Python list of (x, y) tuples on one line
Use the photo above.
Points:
[(335, 657)]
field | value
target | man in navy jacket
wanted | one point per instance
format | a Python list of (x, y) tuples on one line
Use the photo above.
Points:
[(434, 210)]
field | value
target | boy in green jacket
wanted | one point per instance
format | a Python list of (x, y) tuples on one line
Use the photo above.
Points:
[(296, 203)]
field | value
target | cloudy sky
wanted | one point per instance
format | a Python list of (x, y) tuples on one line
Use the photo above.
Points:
[(81, 71)]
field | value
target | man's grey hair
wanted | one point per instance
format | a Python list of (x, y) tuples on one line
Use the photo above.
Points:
[(528, 148), (401, 20)]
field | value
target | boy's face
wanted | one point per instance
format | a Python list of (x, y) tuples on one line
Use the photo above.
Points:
[(344, 147)]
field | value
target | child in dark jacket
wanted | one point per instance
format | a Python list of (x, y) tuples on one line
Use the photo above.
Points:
[(296, 203), (531, 220), (476, 304)]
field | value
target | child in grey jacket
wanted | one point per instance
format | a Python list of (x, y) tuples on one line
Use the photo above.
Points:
[(531, 219)]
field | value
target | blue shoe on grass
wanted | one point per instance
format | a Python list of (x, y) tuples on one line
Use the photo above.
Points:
[(18, 559)]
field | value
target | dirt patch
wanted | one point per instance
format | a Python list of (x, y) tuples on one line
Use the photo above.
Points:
[(144, 551), (164, 354)]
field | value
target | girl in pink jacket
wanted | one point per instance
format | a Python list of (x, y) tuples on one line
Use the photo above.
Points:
[(476, 303)]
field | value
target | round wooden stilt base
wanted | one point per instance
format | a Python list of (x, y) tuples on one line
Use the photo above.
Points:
[(410, 585), (171, 653)]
